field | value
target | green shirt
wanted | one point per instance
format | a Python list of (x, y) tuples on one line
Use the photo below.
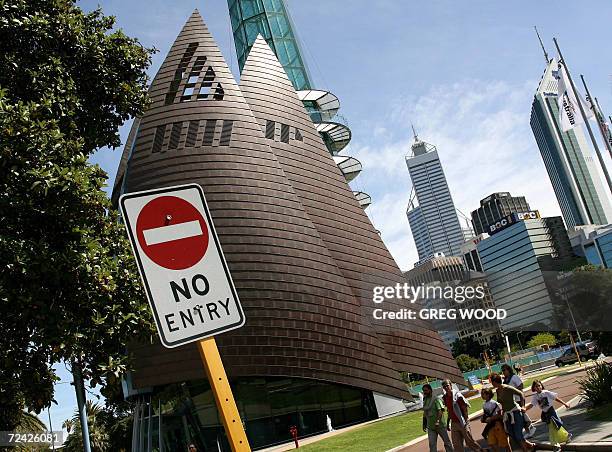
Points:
[(431, 408), (505, 396)]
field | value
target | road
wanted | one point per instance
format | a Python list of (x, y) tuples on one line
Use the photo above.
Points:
[(565, 386)]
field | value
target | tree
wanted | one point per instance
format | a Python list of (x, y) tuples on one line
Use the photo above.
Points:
[(69, 289), (588, 292), (542, 339), (466, 363), (466, 346), (98, 433), (30, 423)]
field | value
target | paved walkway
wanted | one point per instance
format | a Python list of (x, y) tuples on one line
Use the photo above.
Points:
[(595, 435)]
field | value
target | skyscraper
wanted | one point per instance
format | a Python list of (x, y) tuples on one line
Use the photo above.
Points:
[(302, 252), (271, 19), (433, 222), (494, 207), (568, 159), (521, 259)]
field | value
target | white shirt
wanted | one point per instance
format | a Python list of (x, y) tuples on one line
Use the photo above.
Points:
[(544, 399), (491, 407), (516, 382)]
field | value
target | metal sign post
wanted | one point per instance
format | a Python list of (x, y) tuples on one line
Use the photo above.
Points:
[(187, 282), (228, 410)]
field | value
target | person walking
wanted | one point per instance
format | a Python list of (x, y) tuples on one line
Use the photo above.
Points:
[(513, 412), (545, 400), (458, 420), (512, 379), (433, 411), (492, 415)]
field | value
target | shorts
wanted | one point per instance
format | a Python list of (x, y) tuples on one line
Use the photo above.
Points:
[(497, 436), (515, 431)]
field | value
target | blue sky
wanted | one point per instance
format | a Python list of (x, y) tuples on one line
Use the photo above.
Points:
[(464, 72)]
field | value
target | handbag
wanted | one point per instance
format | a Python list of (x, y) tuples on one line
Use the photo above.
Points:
[(557, 435)]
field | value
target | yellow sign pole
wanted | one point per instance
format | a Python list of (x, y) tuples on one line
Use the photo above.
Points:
[(575, 349), (223, 395)]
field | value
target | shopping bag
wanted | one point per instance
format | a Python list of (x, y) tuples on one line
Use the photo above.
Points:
[(557, 435)]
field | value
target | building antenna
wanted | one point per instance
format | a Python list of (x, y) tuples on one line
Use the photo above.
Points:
[(416, 137), (542, 44)]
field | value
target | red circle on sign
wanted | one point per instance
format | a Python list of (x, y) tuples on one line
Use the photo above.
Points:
[(172, 232)]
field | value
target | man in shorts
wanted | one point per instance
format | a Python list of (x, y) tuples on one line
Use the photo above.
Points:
[(513, 412)]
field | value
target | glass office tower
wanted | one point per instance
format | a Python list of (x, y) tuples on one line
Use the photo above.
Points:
[(568, 159), (271, 20), (434, 222)]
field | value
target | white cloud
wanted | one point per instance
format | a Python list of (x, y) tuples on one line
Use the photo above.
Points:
[(482, 133)]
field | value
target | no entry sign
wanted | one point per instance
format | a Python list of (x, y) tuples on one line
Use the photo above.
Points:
[(181, 263)]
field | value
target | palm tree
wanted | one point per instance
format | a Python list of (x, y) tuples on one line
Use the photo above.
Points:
[(30, 423), (98, 436)]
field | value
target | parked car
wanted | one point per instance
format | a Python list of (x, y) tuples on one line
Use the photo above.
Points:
[(587, 350)]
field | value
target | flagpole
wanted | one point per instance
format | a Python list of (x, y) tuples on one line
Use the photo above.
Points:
[(604, 125), (584, 117), (598, 115)]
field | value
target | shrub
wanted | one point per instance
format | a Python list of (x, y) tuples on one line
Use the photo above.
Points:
[(597, 385)]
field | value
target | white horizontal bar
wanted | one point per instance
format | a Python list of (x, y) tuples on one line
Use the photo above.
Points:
[(172, 232)]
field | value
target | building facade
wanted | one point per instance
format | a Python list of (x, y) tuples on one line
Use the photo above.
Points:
[(594, 243), (302, 252), (568, 159), (494, 207), (483, 330), (519, 259), (271, 20), (469, 252), (433, 221)]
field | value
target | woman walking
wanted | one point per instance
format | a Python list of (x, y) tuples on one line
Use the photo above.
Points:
[(545, 400)]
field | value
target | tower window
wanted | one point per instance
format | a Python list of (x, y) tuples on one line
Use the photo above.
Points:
[(192, 133), (219, 92), (298, 135), (199, 64), (209, 132), (204, 91), (210, 74), (284, 133), (187, 93), (158, 140), (175, 135), (226, 133), (270, 127)]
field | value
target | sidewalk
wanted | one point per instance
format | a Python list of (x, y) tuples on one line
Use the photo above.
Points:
[(588, 434)]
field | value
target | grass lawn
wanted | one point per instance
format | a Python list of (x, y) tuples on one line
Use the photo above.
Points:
[(601, 413), (379, 436)]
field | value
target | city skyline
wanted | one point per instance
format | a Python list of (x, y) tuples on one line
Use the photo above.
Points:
[(466, 109)]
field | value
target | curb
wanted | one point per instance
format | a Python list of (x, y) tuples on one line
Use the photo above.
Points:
[(602, 446)]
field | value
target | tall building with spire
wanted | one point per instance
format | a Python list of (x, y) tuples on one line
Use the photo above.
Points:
[(271, 20), (568, 158), (303, 255), (431, 213)]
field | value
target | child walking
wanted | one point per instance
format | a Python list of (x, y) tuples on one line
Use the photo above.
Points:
[(545, 400), (492, 415)]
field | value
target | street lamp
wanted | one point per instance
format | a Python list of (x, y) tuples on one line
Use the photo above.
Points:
[(518, 333)]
